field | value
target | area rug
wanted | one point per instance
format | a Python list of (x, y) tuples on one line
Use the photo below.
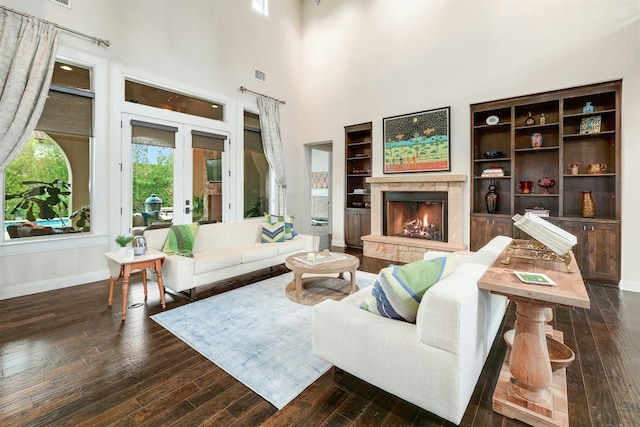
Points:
[(255, 334)]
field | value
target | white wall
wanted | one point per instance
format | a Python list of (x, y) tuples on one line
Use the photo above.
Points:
[(209, 47), (365, 60), (356, 61)]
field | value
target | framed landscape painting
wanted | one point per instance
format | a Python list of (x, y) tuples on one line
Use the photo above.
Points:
[(417, 142)]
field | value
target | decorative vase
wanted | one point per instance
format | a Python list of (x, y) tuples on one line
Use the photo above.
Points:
[(588, 108), (492, 198), (536, 140), (546, 183), (530, 120), (588, 206)]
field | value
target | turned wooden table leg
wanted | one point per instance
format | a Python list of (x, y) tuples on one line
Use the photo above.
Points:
[(112, 282), (529, 359), (143, 273), (125, 289), (158, 267)]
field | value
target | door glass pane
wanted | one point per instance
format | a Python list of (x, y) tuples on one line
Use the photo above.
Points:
[(153, 186), (256, 171), (208, 150)]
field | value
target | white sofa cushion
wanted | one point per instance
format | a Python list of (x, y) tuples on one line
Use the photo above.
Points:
[(225, 235), (257, 251), (214, 260)]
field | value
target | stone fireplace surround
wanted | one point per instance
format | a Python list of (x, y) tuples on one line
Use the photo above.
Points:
[(406, 249)]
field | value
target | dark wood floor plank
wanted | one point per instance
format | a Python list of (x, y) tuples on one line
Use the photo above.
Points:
[(79, 364)]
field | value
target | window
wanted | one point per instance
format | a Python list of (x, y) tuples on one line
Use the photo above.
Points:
[(261, 6), (257, 180), (46, 187), (139, 93)]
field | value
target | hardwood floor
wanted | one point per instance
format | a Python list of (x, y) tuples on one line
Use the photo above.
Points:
[(66, 359)]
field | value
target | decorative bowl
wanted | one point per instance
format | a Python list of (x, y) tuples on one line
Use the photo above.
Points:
[(546, 183), (560, 355), (493, 154)]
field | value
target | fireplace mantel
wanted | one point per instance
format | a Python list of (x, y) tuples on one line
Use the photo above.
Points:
[(408, 249)]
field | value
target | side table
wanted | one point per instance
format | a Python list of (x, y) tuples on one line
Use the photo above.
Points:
[(527, 389), (121, 266)]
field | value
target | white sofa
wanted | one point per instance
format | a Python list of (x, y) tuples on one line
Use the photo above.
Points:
[(223, 250), (435, 363)]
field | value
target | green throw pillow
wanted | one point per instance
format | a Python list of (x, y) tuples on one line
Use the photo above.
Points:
[(180, 240), (399, 289), (272, 232)]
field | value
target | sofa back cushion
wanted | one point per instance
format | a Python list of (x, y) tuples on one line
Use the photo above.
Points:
[(223, 235)]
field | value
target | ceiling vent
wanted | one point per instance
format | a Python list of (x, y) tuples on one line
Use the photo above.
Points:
[(260, 75), (65, 3)]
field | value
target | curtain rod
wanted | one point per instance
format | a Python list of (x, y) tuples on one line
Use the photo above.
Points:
[(244, 89), (60, 27)]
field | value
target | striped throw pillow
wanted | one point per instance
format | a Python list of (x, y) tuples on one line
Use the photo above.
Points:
[(273, 232), (180, 240), (399, 289), (288, 223)]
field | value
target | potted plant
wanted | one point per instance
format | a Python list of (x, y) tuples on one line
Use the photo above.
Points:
[(123, 241), (39, 199), (83, 215)]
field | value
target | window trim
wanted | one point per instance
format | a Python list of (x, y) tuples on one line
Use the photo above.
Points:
[(99, 150)]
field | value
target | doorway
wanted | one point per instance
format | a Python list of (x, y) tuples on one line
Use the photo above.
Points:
[(320, 191), (157, 155)]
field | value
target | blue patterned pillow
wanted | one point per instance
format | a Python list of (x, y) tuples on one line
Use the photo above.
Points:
[(272, 232), (399, 289)]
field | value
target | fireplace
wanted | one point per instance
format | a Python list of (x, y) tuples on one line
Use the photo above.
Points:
[(406, 249), (415, 214)]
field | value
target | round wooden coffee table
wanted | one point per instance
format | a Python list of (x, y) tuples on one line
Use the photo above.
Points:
[(312, 290)]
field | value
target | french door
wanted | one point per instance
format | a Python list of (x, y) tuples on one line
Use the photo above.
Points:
[(172, 172)]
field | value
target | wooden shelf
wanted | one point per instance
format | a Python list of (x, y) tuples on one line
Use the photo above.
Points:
[(358, 164), (563, 144)]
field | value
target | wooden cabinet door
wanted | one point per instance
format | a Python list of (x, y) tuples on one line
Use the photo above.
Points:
[(603, 252), (578, 229), (365, 223), (357, 223), (485, 228), (598, 249)]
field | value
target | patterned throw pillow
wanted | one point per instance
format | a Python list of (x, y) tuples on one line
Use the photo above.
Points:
[(288, 224), (273, 232), (399, 289), (180, 240)]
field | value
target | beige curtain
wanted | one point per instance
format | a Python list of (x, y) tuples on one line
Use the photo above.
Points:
[(272, 142), (27, 54)]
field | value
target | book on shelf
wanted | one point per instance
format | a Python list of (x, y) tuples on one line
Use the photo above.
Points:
[(492, 172), (552, 236), (538, 212)]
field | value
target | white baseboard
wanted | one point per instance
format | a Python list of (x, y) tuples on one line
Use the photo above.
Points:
[(338, 243), (23, 289), (628, 285)]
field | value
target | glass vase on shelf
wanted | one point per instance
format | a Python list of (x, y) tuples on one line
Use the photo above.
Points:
[(492, 198)]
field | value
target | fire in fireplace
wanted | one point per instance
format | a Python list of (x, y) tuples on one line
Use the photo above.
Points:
[(415, 214)]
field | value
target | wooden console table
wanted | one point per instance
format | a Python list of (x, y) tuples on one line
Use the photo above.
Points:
[(527, 389)]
